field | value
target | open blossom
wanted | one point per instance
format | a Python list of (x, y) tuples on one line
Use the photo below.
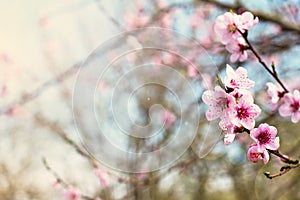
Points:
[(219, 101), (226, 28), (245, 112), (246, 21), (275, 93), (238, 48), (254, 155), (71, 194), (291, 106), (228, 24), (265, 137), (237, 79)]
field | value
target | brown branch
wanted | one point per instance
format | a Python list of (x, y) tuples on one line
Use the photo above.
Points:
[(60, 180), (283, 171), (262, 62)]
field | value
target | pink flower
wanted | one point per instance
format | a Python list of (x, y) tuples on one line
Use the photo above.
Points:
[(237, 79), (71, 194), (227, 25), (291, 106), (219, 101), (246, 21), (275, 93), (238, 48), (245, 112), (265, 137), (226, 28), (254, 155), (168, 118), (102, 176)]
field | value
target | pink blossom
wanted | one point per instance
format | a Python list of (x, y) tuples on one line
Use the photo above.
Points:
[(228, 25), (291, 106), (56, 184), (246, 21), (254, 155), (167, 19), (193, 72), (16, 111), (138, 19), (219, 101), (102, 176), (245, 112), (168, 118), (275, 93), (197, 18), (71, 194), (238, 48), (265, 137), (226, 28), (237, 79), (168, 58)]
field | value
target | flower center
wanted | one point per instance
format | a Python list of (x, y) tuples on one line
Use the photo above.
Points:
[(231, 28), (233, 82), (242, 113), (295, 106), (264, 137)]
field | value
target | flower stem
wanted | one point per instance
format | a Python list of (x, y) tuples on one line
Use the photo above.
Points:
[(261, 61)]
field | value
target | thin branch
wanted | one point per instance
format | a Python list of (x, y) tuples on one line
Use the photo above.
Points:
[(283, 171), (262, 62)]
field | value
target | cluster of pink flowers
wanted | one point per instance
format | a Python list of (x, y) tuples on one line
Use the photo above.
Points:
[(229, 27), (234, 105), (265, 138), (290, 102)]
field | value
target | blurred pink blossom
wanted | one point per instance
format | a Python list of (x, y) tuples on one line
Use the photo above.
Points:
[(71, 194), (193, 72), (168, 118), (207, 81), (197, 18), (291, 106), (16, 111), (102, 177), (275, 93)]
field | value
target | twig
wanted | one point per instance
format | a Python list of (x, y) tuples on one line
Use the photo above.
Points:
[(283, 171), (60, 180), (261, 61)]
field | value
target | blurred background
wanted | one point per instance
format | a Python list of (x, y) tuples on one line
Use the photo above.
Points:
[(43, 44)]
